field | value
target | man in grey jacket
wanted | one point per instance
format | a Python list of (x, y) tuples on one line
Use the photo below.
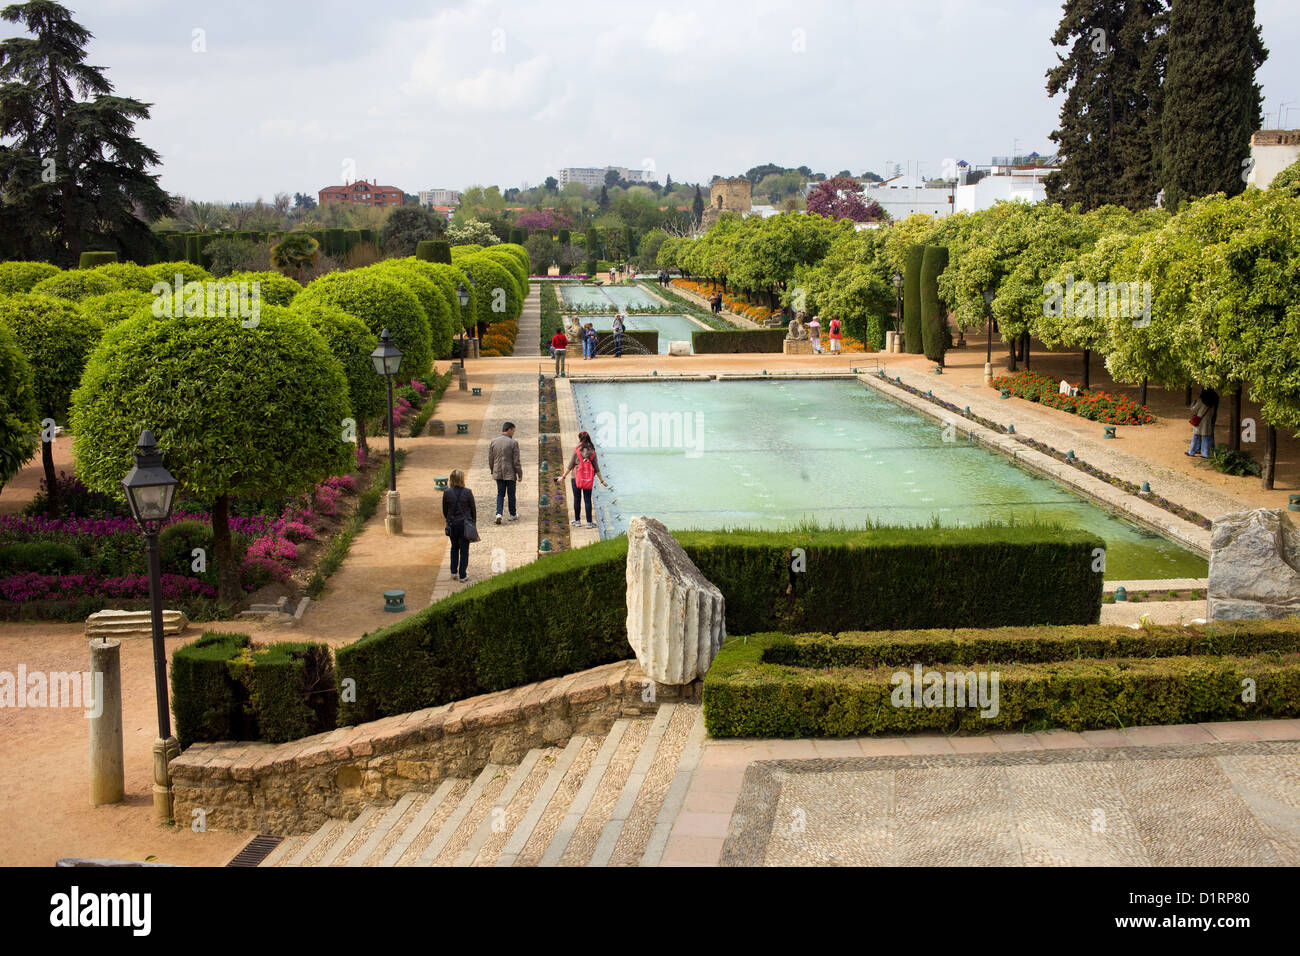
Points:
[(503, 462)]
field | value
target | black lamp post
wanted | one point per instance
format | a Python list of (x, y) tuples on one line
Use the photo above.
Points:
[(387, 359), (150, 490), (463, 295), (469, 277)]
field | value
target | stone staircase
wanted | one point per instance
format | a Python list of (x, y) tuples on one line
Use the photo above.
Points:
[(607, 801)]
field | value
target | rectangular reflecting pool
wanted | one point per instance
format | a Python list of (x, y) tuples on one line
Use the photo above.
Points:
[(777, 453), (671, 328), (620, 297)]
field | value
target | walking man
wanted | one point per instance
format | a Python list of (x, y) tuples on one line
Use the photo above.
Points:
[(559, 346), (503, 462)]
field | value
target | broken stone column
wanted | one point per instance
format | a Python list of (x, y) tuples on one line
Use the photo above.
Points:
[(675, 616), (1254, 566)]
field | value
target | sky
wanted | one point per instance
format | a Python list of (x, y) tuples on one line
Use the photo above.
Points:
[(254, 98)]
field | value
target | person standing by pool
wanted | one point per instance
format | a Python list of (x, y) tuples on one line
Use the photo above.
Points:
[(458, 509), (611, 275), (619, 328), (559, 344), (836, 332), (588, 342), (815, 334), (1204, 411), (585, 470)]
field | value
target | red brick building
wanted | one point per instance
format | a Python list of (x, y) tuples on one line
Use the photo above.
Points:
[(363, 193)]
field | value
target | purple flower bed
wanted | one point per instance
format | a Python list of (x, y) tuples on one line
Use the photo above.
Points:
[(28, 587)]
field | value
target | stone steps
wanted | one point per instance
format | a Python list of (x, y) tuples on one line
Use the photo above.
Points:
[(597, 802)]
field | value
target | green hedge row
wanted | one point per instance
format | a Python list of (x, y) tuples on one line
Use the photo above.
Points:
[(745, 697), (934, 315), (710, 342), (225, 689), (521, 626), (913, 338)]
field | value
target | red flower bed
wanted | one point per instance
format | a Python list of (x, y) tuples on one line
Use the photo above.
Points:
[(1094, 405)]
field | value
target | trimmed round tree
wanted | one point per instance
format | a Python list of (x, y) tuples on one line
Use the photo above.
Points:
[(495, 292), (351, 343), (76, 284), (512, 265), (18, 415), (912, 334), (274, 288), (236, 411), (934, 317), (431, 298), (446, 276), (112, 307), (89, 260), (18, 277), (56, 337), (433, 250), (189, 272), (381, 302), (128, 275)]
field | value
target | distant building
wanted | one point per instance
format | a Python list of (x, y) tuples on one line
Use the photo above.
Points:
[(439, 197), (593, 177), (363, 193), (904, 195), (1271, 151), (1007, 178)]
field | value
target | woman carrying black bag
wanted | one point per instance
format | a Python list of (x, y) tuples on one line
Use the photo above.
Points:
[(462, 522)]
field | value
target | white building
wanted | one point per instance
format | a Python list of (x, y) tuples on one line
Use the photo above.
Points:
[(439, 197), (902, 196), (593, 177), (1004, 183), (1271, 151)]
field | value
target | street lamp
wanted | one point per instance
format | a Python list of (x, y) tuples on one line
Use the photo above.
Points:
[(387, 359), (149, 492), (469, 276), (898, 291), (463, 295), (989, 293)]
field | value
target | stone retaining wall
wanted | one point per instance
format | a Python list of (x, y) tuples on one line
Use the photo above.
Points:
[(295, 787)]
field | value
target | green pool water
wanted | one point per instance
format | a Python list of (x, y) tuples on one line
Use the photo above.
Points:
[(777, 453), (672, 328), (620, 297)]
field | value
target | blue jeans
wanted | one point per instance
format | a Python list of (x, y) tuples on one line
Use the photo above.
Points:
[(505, 489), (459, 555), (579, 495), (1202, 445)]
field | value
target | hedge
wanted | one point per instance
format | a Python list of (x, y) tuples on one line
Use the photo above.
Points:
[(934, 315), (225, 689), (432, 296), (76, 284), (22, 276), (913, 337), (273, 287), (466, 644), (189, 272), (381, 302), (128, 275), (746, 697), (433, 250), (89, 260), (712, 341)]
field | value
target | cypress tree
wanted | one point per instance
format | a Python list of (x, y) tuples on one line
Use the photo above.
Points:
[(1211, 100), (934, 317), (1109, 135), (913, 337), (697, 206)]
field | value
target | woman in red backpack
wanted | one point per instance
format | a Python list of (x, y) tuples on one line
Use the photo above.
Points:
[(585, 471), (837, 333)]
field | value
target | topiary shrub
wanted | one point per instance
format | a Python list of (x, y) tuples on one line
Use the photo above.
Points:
[(188, 271), (381, 302), (351, 342), (274, 288), (90, 260), (76, 284), (448, 278), (18, 277), (176, 544), (192, 250), (113, 307), (913, 336), (128, 275), (207, 702), (710, 342), (18, 414), (495, 292), (41, 557), (433, 250), (590, 267), (511, 264), (934, 317), (431, 297)]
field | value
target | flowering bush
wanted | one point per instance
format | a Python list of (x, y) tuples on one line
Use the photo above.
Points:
[(25, 588), (1096, 406)]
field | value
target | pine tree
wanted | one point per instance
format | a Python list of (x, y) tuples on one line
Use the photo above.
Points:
[(697, 206), (1212, 103), (668, 183), (72, 175), (1110, 121), (603, 201)]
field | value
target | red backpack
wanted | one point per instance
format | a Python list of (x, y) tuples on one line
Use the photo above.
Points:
[(585, 474)]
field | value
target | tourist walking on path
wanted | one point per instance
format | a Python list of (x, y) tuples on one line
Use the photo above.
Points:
[(815, 334), (559, 345), (619, 329), (586, 470), (1204, 411), (503, 462), (462, 522), (836, 333)]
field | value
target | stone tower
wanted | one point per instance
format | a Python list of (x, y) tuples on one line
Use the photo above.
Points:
[(727, 195)]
